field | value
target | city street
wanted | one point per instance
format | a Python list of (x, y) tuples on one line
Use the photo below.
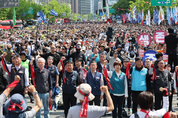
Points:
[(60, 113)]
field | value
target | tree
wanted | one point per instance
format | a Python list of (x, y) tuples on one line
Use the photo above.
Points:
[(3, 13), (123, 4)]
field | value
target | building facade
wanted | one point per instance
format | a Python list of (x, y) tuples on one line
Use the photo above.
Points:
[(74, 6), (84, 7)]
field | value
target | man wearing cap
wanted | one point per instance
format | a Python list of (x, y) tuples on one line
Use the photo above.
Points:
[(171, 41), (71, 80), (95, 80), (78, 53), (17, 69), (139, 75), (82, 109), (15, 107)]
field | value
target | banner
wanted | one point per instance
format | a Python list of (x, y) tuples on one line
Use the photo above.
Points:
[(141, 53), (144, 39), (150, 54), (165, 58), (159, 36)]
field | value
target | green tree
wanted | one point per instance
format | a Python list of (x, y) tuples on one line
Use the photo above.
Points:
[(3, 13), (123, 4)]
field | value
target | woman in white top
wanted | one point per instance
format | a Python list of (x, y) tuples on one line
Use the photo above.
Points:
[(145, 101)]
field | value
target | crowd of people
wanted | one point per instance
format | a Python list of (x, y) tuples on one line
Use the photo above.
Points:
[(93, 63)]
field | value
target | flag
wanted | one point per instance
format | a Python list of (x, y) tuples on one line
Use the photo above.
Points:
[(171, 17), (123, 18), (177, 16), (131, 18), (149, 17), (53, 12), (38, 17), (14, 17), (162, 13), (134, 12), (142, 16), (44, 17), (127, 17), (154, 15), (157, 16), (168, 16), (173, 13)]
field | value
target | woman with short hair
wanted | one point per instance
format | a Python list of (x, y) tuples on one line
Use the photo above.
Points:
[(118, 82)]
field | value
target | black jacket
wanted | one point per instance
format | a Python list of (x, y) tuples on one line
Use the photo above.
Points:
[(3, 80), (171, 42)]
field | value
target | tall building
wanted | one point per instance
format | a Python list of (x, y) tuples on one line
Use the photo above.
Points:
[(96, 6), (92, 6), (74, 6), (65, 1), (84, 6)]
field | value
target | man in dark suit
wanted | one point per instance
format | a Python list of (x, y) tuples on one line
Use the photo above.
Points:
[(171, 42), (100, 66)]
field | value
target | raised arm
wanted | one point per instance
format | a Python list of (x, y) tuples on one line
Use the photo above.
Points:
[(38, 106)]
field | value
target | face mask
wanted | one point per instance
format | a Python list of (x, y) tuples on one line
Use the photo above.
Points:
[(122, 52)]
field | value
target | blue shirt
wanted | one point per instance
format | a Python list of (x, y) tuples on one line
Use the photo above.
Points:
[(97, 59)]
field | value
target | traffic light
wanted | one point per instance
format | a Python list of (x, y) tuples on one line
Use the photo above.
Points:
[(104, 3)]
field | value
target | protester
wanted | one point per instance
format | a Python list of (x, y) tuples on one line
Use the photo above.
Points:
[(161, 79), (55, 77), (80, 70), (82, 43), (95, 80), (17, 69), (120, 89), (71, 80), (139, 74), (82, 109), (145, 101), (43, 83), (16, 105)]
